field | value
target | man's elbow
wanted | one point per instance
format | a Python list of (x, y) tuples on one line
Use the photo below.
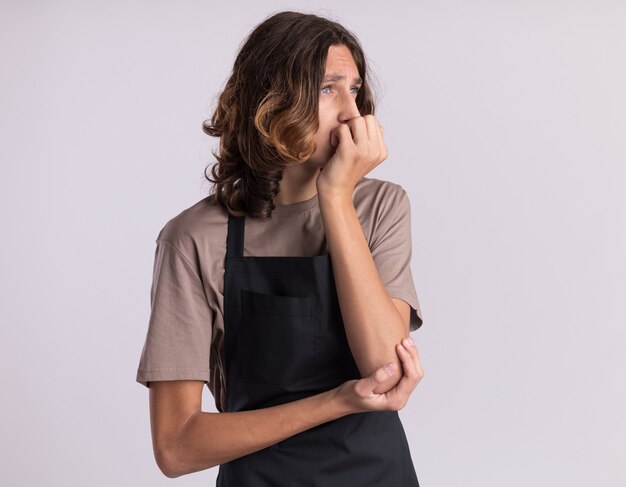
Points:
[(166, 461)]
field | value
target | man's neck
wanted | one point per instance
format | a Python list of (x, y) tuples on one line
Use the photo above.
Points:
[(298, 184)]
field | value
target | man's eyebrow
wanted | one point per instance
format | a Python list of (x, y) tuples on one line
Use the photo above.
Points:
[(337, 77)]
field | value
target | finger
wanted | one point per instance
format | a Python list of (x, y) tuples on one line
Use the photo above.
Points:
[(343, 135), (365, 387), (398, 396), (359, 130), (372, 130), (409, 378), (420, 369), (412, 361), (415, 355), (373, 137), (381, 141)]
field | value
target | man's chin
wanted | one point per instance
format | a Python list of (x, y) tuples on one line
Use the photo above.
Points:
[(323, 160), (314, 163)]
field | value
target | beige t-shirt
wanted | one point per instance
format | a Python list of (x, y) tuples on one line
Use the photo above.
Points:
[(185, 335)]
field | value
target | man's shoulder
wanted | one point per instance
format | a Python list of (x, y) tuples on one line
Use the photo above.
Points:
[(203, 223), (373, 195)]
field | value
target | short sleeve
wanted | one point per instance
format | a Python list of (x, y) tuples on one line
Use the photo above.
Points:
[(178, 341), (391, 251)]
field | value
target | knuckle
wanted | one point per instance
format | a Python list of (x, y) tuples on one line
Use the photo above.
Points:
[(358, 389), (401, 402), (380, 375)]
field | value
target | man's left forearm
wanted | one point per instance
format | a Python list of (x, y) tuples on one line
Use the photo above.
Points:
[(372, 322)]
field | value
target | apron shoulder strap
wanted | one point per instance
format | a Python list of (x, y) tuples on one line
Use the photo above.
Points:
[(234, 238)]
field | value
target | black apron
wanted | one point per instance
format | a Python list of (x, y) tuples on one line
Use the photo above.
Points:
[(284, 340)]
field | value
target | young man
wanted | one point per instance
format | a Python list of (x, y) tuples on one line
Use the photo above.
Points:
[(292, 345)]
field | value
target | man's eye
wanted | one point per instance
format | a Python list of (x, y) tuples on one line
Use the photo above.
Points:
[(354, 89)]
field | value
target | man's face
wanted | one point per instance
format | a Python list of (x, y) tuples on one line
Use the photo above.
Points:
[(337, 100)]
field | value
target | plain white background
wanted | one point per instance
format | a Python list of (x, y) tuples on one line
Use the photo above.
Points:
[(505, 123)]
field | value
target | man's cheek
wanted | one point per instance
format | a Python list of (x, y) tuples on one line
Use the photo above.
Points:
[(334, 140)]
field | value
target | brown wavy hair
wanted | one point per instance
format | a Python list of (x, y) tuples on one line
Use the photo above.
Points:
[(267, 114)]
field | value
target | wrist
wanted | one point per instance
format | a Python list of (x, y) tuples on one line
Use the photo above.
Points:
[(328, 191), (336, 196), (341, 405)]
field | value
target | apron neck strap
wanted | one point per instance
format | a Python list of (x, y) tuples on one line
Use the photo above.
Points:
[(234, 238)]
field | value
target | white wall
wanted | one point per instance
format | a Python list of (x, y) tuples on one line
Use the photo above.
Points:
[(505, 124)]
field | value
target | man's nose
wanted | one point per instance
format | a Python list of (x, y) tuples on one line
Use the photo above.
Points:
[(349, 108)]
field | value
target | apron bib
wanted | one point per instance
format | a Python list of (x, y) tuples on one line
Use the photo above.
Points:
[(284, 340)]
